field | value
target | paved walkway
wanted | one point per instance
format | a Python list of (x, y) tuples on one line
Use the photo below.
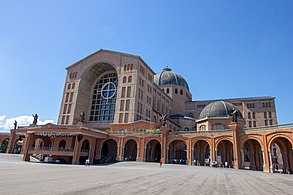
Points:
[(19, 177)]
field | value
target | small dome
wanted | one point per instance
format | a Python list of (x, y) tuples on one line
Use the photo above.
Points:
[(169, 77), (219, 109)]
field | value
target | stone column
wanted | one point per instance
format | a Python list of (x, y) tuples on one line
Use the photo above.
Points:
[(10, 146), (29, 142), (213, 151), (189, 152), (76, 151), (271, 162), (145, 154), (164, 133), (235, 127), (92, 150), (267, 164), (242, 158)]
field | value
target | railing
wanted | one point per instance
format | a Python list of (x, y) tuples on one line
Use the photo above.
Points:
[(139, 132), (59, 149), (201, 132), (269, 128)]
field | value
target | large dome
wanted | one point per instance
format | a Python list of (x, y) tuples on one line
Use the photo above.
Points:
[(219, 109), (169, 77)]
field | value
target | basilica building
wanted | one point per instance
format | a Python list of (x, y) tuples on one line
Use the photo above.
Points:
[(116, 108)]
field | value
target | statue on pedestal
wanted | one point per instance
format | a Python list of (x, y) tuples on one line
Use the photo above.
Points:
[(234, 116), (15, 124), (35, 119), (164, 120)]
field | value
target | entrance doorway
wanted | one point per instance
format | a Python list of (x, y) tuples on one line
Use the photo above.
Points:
[(153, 151)]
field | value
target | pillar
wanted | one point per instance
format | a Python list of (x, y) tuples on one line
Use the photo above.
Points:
[(11, 142), (26, 147), (189, 152), (92, 150), (234, 127), (164, 153), (213, 151), (76, 151), (267, 164)]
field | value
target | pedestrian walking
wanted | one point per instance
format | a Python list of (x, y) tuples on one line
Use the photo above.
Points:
[(87, 162), (161, 162)]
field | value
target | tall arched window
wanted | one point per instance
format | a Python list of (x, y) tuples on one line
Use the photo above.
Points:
[(104, 98), (176, 91), (129, 79), (168, 91), (181, 92)]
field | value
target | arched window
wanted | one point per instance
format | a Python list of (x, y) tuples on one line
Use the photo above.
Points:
[(176, 91), (249, 115), (131, 66), (181, 92), (168, 91), (124, 79), (62, 144), (186, 129), (218, 126), (125, 67), (129, 79), (202, 128), (104, 98)]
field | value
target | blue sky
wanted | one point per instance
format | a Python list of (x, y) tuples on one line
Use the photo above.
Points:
[(224, 49)]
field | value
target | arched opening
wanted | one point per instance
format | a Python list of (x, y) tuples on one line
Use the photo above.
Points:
[(4, 145), (85, 147), (130, 150), (99, 83), (281, 155), (153, 151), (129, 79), (224, 154), (38, 144), (177, 153), (109, 151), (62, 145), (251, 155), (18, 146), (201, 153)]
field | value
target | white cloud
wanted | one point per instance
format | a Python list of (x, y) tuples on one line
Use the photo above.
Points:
[(8, 123)]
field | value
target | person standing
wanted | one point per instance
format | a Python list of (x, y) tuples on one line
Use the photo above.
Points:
[(87, 162), (161, 162)]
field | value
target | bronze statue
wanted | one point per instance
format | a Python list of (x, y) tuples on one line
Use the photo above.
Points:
[(234, 116), (164, 119), (15, 124), (82, 117), (35, 119)]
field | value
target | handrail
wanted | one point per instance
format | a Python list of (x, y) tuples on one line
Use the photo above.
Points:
[(268, 128), (45, 148)]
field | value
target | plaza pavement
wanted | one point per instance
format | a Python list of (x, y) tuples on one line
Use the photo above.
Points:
[(19, 177)]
